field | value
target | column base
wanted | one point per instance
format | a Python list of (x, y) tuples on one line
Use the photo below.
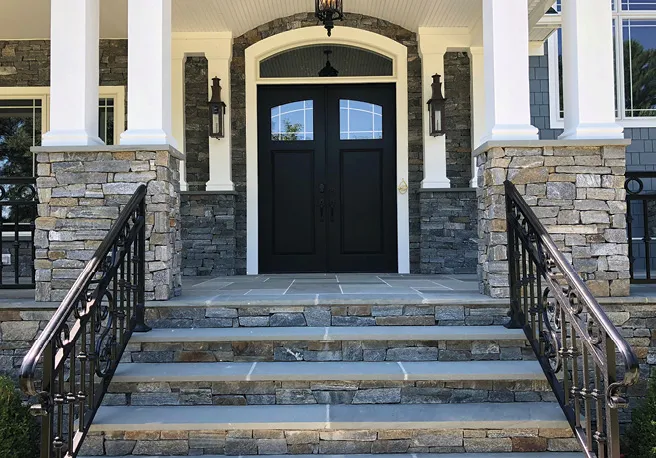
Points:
[(436, 184), (139, 137), (610, 131), (502, 132), (473, 183), (219, 186), (70, 138)]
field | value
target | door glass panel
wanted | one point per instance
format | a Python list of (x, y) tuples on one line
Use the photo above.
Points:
[(293, 122), (360, 120)]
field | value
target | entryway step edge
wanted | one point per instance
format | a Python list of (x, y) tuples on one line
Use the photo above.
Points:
[(328, 371), (330, 333), (331, 417), (403, 455)]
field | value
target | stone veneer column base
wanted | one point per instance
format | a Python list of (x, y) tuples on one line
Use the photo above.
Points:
[(208, 233), (576, 189), (449, 234), (81, 192)]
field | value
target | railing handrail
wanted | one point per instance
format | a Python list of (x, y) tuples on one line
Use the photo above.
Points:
[(31, 359), (17, 180), (631, 363)]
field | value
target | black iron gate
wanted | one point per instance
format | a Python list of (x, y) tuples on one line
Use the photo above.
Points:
[(18, 210)]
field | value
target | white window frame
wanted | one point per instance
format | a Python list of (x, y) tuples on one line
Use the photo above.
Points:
[(558, 122), (43, 93)]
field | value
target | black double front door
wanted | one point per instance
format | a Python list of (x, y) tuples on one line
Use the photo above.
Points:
[(327, 178)]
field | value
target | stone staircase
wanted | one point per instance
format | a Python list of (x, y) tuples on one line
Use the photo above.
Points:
[(392, 380)]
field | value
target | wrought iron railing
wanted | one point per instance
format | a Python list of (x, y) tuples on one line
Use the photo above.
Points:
[(79, 349), (574, 340), (18, 206), (641, 224)]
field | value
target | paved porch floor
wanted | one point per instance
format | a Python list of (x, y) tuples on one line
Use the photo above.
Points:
[(299, 289)]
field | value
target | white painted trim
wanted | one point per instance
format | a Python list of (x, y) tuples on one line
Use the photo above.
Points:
[(43, 93), (217, 49), (555, 120), (311, 36)]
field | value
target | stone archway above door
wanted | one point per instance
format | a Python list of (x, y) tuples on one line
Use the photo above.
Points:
[(245, 139)]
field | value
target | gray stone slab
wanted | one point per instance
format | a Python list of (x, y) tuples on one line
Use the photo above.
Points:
[(188, 418), (449, 416), (320, 371), (335, 417), (419, 455), (333, 333)]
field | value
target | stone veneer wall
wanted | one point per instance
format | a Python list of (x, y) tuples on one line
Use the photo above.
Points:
[(449, 231), (197, 144), (81, 192), (577, 192), (27, 63), (457, 86), (208, 233), (238, 101)]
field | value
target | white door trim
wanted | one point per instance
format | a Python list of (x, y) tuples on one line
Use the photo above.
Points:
[(312, 36)]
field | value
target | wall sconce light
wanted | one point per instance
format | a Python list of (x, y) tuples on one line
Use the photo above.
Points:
[(329, 11), (436, 108), (217, 109)]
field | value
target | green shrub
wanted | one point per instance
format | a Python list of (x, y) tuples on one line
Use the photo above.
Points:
[(640, 440), (19, 432)]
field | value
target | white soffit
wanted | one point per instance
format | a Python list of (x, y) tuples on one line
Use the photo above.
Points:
[(30, 19)]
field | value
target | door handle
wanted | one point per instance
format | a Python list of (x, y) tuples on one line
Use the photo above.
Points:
[(322, 205), (332, 211)]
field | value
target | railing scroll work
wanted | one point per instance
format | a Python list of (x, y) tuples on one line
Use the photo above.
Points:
[(573, 338), (71, 364)]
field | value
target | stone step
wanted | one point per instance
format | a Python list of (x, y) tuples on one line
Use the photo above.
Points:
[(320, 371), (328, 383), (457, 310), (329, 429), (380, 343), (418, 455)]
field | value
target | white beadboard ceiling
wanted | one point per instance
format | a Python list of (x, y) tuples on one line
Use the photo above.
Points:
[(29, 19)]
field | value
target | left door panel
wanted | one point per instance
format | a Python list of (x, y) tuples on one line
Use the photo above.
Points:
[(291, 167)]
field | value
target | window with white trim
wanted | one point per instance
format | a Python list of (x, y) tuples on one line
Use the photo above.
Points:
[(24, 117), (634, 32)]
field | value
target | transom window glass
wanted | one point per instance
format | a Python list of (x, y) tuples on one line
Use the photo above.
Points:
[(309, 61), (293, 121), (360, 120), (634, 59)]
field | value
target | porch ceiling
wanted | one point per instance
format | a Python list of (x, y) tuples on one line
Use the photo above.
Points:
[(30, 19)]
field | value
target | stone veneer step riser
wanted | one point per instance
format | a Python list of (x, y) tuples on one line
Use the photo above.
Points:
[(295, 442), (194, 316), (289, 351), (328, 392)]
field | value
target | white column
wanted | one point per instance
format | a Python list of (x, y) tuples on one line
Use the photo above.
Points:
[(507, 97), (178, 111), (477, 105), (74, 73), (588, 72), (149, 73), (432, 62), (218, 64)]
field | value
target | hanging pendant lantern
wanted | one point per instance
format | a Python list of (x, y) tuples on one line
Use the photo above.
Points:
[(328, 70), (329, 11), (217, 109), (436, 108)]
